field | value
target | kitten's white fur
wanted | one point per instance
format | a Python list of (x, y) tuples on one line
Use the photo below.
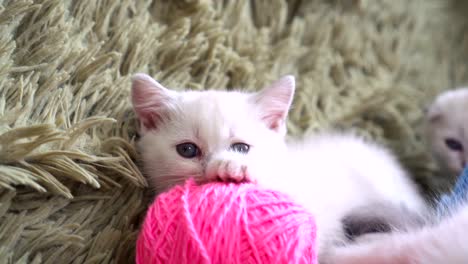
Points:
[(444, 242), (328, 173), (447, 118)]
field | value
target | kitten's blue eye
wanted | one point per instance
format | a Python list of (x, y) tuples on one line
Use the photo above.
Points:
[(188, 150), (454, 144), (240, 147)]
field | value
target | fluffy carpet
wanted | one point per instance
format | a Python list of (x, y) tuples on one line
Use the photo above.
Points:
[(70, 187)]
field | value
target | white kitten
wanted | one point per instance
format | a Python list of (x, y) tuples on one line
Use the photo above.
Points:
[(447, 130), (235, 136), (440, 243)]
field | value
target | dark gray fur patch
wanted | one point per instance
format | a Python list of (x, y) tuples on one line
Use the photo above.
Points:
[(380, 218)]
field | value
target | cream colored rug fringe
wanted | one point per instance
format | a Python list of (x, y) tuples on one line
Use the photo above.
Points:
[(70, 187)]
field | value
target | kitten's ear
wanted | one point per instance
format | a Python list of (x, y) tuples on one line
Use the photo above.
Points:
[(433, 114), (150, 99), (274, 102)]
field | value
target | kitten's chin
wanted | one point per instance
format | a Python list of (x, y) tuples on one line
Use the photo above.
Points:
[(446, 165), (451, 170), (203, 180)]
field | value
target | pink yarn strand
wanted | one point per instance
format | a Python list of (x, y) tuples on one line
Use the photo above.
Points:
[(189, 224)]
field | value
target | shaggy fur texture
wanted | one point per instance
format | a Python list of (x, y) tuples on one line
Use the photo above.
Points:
[(70, 188)]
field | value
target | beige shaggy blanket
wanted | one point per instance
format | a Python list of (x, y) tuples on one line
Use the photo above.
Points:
[(71, 190)]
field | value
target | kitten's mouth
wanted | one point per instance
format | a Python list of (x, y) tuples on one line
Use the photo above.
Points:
[(201, 180), (205, 180), (230, 180)]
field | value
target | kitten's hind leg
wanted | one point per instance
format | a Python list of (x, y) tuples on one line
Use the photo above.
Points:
[(440, 243), (375, 235), (380, 217)]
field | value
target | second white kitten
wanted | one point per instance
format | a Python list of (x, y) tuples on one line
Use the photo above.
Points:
[(447, 130)]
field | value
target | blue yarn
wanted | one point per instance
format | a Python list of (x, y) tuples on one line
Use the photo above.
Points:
[(458, 196)]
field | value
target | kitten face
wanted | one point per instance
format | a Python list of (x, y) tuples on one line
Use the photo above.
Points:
[(447, 130), (210, 134)]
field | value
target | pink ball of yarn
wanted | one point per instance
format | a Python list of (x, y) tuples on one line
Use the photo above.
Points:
[(226, 223)]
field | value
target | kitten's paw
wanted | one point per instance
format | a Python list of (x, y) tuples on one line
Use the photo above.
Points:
[(229, 171)]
